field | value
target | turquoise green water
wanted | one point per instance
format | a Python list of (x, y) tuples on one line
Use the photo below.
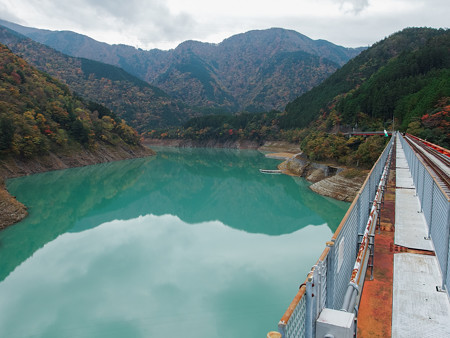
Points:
[(190, 243)]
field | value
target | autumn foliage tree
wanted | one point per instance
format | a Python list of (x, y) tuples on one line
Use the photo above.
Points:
[(38, 114)]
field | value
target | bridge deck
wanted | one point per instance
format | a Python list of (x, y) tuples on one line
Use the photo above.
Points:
[(410, 225), (418, 309)]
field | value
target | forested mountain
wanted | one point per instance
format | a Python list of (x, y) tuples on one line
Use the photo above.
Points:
[(38, 115), (143, 106), (406, 75), (253, 71)]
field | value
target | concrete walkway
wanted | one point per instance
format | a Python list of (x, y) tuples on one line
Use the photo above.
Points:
[(418, 308), (410, 227)]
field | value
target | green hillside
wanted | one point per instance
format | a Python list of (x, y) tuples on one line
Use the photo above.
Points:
[(38, 114), (255, 71), (409, 86), (373, 78), (142, 105), (406, 76)]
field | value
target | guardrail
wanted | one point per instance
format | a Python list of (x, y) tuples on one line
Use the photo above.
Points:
[(435, 204), (327, 283), (353, 294)]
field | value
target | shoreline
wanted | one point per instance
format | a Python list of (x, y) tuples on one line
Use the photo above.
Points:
[(336, 182), (12, 211), (266, 146), (328, 179)]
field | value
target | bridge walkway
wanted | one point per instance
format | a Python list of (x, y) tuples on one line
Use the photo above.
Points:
[(418, 308)]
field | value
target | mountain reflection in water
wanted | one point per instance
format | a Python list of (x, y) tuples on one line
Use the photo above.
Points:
[(178, 215)]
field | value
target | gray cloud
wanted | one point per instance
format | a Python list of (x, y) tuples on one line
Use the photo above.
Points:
[(142, 21), (148, 20), (9, 14), (152, 23), (353, 6)]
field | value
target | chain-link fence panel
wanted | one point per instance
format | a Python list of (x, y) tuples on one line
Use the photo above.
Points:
[(327, 285), (436, 208), (343, 256), (295, 327), (440, 229), (426, 192)]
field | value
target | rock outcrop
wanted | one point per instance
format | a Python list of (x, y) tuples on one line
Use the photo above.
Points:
[(11, 210), (339, 183), (339, 187)]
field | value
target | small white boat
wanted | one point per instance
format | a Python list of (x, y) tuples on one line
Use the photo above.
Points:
[(268, 171)]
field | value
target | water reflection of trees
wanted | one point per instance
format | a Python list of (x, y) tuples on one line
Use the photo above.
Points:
[(197, 185), (57, 200)]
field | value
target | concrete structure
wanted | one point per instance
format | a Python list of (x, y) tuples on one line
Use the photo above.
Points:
[(419, 309)]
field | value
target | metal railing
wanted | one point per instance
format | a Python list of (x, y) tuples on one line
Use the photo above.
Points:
[(355, 286), (327, 283), (435, 204)]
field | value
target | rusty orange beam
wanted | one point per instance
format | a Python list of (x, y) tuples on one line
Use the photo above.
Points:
[(375, 308)]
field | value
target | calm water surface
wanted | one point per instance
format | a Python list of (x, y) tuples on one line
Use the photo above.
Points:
[(190, 243)]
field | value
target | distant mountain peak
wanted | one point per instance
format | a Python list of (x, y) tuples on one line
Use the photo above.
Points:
[(257, 70)]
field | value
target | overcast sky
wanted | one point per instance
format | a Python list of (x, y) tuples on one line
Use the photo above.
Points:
[(165, 23)]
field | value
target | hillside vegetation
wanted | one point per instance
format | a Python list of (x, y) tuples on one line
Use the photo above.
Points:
[(405, 76), (39, 115), (370, 82), (254, 71), (143, 106)]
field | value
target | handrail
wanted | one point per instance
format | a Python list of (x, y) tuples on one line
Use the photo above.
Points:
[(287, 315), (442, 150), (427, 167), (355, 285), (355, 200), (302, 290)]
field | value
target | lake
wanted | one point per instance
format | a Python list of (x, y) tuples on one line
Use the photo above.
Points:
[(188, 243)]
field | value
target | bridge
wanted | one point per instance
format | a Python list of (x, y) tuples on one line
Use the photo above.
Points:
[(368, 133), (393, 243)]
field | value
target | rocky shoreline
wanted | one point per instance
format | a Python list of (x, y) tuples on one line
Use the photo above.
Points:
[(328, 180), (12, 211), (332, 181)]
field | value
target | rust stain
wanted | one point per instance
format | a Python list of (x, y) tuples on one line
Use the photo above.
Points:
[(375, 311)]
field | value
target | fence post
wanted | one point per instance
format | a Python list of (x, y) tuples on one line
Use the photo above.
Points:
[(416, 170), (423, 190), (358, 212), (310, 299), (445, 272), (431, 210), (330, 274)]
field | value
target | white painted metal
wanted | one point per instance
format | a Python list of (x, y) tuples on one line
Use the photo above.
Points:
[(335, 323), (410, 226), (418, 309)]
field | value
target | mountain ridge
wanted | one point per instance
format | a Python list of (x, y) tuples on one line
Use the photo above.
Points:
[(142, 105), (226, 76), (404, 77)]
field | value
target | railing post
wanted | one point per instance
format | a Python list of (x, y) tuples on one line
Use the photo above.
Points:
[(445, 270), (358, 213), (309, 309), (431, 210), (423, 190), (331, 261), (416, 170)]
